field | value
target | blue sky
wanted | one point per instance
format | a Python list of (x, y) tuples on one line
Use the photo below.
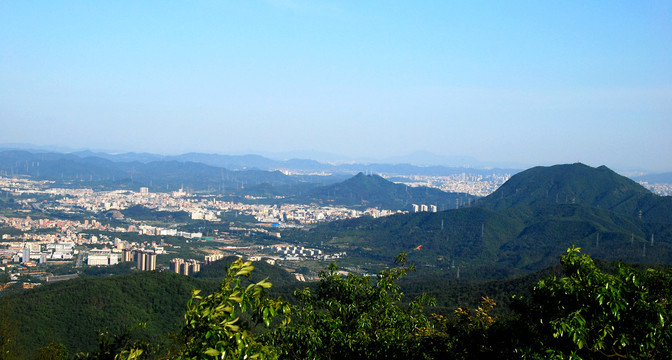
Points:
[(532, 82)]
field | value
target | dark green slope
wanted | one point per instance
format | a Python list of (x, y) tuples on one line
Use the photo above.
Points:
[(451, 293), (139, 212), (70, 312), (375, 191), (470, 235), (580, 184), (489, 244), (551, 229)]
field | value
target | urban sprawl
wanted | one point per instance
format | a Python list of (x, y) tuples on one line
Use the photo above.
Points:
[(89, 242)]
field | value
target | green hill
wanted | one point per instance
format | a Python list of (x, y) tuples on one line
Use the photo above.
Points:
[(139, 212), (70, 312), (374, 191), (583, 185), (520, 228)]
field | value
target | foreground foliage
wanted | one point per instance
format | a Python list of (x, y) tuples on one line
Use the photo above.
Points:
[(354, 316), (585, 313), (220, 325), (590, 314)]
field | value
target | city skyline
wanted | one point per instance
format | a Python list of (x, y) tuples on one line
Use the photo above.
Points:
[(532, 84)]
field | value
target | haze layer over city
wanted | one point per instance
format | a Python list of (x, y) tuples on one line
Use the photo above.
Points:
[(513, 84)]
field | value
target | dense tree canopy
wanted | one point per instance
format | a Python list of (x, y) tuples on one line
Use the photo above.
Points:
[(591, 314), (584, 313)]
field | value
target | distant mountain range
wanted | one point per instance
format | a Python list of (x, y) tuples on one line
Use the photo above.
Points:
[(190, 171), (398, 166), (662, 178), (523, 226), (158, 175), (419, 158)]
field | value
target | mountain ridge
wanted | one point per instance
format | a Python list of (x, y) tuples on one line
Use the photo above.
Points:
[(519, 228), (375, 191), (578, 184)]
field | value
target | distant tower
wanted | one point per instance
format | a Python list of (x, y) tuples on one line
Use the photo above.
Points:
[(651, 240), (127, 255), (176, 265), (26, 254), (141, 260), (151, 262)]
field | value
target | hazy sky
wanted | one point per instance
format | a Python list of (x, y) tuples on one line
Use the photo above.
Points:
[(536, 82)]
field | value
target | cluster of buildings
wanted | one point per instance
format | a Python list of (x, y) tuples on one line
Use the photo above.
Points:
[(295, 251), (660, 189), (185, 267), (291, 252), (208, 208), (472, 184), (85, 242), (102, 257), (75, 231), (31, 253), (424, 208), (190, 266), (145, 259), (67, 230)]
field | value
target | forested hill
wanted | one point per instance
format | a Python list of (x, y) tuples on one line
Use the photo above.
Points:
[(374, 191), (139, 212), (521, 227), (583, 185), (70, 312)]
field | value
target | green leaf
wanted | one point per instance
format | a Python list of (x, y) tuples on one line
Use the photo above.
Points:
[(212, 352)]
